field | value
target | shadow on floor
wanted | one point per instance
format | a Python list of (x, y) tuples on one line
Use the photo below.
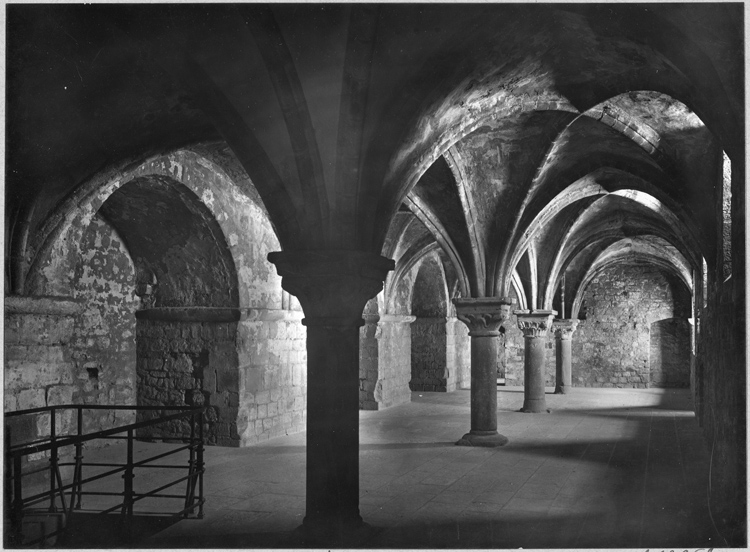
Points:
[(86, 530), (526, 531)]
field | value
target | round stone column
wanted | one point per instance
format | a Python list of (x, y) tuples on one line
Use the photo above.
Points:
[(483, 316), (534, 326), (563, 340), (332, 288)]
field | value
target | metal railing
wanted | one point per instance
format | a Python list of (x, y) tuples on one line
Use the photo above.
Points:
[(66, 498)]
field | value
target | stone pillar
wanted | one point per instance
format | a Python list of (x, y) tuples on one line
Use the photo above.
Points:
[(394, 371), (332, 288), (563, 334), (369, 361), (534, 326), (483, 316)]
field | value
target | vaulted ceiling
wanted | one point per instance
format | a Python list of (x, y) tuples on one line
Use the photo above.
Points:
[(502, 129)]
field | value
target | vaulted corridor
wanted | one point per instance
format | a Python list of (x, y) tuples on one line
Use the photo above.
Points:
[(479, 266)]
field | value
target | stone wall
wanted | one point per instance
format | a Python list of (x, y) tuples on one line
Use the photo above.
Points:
[(103, 345), (39, 370), (669, 353), (248, 368), (78, 350), (188, 362), (251, 374), (613, 346), (636, 333), (394, 350), (721, 368), (272, 374), (429, 356), (458, 353)]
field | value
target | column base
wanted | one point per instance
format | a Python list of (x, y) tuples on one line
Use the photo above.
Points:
[(561, 391), (335, 532), (482, 439), (534, 406)]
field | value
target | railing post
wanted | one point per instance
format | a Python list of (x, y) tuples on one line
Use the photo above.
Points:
[(190, 489), (7, 475), (127, 505), (12, 480), (52, 460), (17, 499), (78, 476), (200, 465)]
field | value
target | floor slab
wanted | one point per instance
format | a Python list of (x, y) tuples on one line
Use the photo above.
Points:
[(606, 468)]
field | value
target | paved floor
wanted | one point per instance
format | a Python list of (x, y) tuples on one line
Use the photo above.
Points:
[(607, 468)]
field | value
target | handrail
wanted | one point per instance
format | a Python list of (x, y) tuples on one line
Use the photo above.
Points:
[(74, 440), (16, 503)]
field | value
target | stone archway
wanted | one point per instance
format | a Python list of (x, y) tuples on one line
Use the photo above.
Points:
[(240, 298), (187, 326)]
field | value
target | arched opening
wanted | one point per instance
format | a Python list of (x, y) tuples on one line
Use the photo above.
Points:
[(186, 329)]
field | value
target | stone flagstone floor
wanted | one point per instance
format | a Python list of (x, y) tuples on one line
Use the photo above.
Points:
[(607, 468)]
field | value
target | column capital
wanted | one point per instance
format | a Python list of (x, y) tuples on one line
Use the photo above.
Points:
[(534, 323), (483, 315), (332, 286), (564, 328)]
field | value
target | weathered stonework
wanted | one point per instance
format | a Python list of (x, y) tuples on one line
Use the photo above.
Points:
[(429, 356), (38, 368), (77, 351), (626, 308), (384, 361), (458, 353), (103, 345), (273, 375), (395, 360), (369, 360), (189, 363)]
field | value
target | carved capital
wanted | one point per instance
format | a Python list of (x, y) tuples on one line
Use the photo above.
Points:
[(483, 316), (534, 323), (564, 328), (332, 286)]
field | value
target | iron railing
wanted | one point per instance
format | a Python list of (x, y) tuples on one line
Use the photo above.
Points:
[(66, 498)]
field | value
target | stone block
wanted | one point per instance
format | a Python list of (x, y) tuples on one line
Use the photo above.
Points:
[(31, 398), (60, 394), (263, 397), (273, 409)]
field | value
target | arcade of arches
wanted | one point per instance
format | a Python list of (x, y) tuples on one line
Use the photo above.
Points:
[(291, 212)]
